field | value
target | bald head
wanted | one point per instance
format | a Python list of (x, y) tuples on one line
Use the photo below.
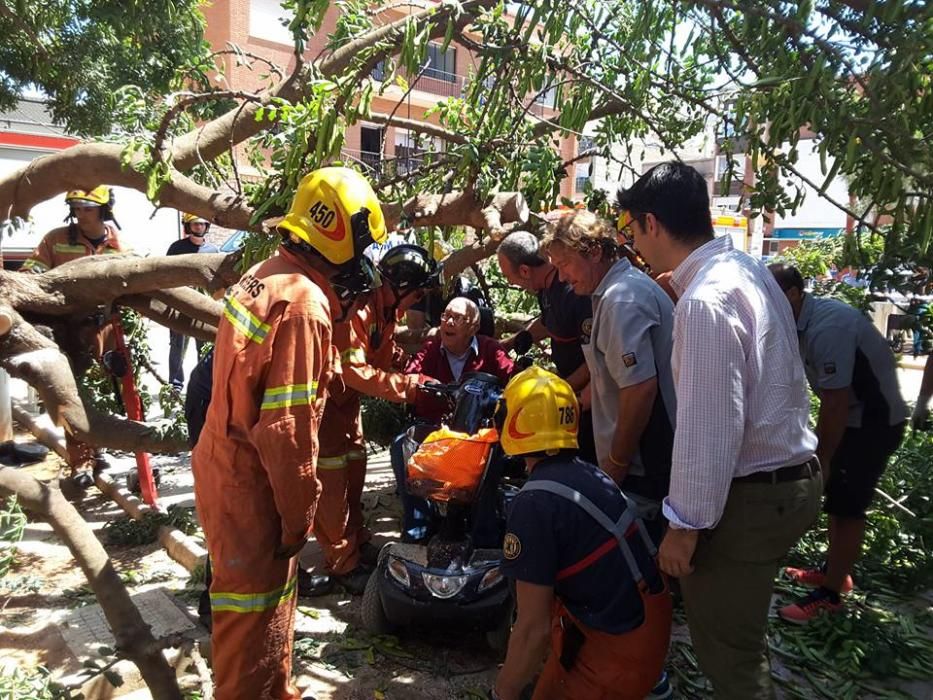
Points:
[(459, 323)]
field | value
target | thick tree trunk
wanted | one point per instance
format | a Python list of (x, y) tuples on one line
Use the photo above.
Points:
[(85, 284), (461, 209), (133, 636), (27, 354)]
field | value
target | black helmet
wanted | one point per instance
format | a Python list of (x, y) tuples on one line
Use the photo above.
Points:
[(408, 267)]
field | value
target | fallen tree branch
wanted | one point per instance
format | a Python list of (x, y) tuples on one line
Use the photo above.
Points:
[(44, 435), (133, 637), (172, 319), (87, 283), (28, 355), (460, 209)]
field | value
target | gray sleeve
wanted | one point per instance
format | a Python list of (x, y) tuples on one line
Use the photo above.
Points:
[(625, 340), (831, 355)]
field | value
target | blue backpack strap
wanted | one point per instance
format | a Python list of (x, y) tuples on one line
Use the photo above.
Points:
[(616, 528)]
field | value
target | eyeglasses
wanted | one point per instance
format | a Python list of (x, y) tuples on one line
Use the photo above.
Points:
[(454, 318), (624, 224)]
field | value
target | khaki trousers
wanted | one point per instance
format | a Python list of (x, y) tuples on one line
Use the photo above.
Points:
[(728, 595)]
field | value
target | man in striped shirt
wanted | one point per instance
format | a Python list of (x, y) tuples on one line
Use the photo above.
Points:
[(744, 482)]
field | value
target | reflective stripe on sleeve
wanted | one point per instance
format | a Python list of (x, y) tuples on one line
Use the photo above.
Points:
[(353, 355), (356, 455), (253, 602), (34, 265), (288, 395), (70, 249), (244, 321), (332, 463)]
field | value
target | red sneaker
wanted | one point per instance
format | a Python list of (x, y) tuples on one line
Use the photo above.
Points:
[(810, 606), (815, 578)]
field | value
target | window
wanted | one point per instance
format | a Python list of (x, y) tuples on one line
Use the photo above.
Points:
[(726, 128), (371, 146), (548, 98), (738, 167), (583, 175), (442, 65), (410, 149), (267, 20)]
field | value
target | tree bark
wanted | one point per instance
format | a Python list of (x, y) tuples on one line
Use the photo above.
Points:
[(28, 355), (460, 209), (134, 639), (87, 283)]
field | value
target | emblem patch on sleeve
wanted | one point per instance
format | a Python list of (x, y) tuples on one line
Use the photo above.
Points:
[(511, 546), (829, 367), (629, 359)]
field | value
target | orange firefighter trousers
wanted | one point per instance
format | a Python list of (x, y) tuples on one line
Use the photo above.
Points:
[(253, 596), (341, 469), (609, 666)]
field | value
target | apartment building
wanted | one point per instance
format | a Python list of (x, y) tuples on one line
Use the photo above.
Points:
[(258, 27), (767, 235)]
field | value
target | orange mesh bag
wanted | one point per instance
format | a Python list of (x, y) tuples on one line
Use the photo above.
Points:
[(448, 465)]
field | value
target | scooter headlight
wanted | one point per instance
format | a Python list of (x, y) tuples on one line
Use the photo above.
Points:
[(490, 579), (444, 586), (399, 572)]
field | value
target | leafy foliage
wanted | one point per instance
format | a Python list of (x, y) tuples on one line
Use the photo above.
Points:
[(80, 53), (383, 421), (36, 684), (99, 387), (127, 531), (12, 525)]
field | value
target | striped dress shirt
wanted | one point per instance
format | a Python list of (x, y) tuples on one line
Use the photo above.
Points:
[(742, 404)]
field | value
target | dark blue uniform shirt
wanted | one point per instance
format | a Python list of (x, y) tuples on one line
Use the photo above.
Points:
[(568, 319), (550, 540)]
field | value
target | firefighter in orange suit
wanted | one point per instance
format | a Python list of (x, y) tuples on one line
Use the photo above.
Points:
[(91, 230), (255, 463), (368, 357)]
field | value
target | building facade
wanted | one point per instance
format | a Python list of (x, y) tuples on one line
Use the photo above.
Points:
[(259, 27)]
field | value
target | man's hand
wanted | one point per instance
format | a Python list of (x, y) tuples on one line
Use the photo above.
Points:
[(586, 398), (616, 472), (676, 553)]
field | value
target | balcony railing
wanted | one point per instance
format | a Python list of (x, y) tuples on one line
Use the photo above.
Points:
[(379, 165), (432, 80)]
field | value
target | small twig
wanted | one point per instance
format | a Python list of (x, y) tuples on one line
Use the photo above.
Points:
[(895, 503), (187, 101)]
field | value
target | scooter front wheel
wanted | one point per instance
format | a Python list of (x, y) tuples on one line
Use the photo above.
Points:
[(498, 637), (374, 614)]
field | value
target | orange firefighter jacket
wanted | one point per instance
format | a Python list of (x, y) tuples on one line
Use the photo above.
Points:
[(367, 354), (272, 364), (55, 249)]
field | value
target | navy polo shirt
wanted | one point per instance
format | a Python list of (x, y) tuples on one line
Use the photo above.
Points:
[(568, 319), (552, 541)]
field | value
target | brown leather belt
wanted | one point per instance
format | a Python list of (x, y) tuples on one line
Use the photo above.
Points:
[(794, 472)]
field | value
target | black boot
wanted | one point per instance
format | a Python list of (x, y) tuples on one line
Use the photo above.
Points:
[(314, 585), (354, 582), (369, 554)]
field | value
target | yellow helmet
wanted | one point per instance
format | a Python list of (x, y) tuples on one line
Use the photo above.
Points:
[(337, 213), (541, 413), (188, 218), (98, 197)]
